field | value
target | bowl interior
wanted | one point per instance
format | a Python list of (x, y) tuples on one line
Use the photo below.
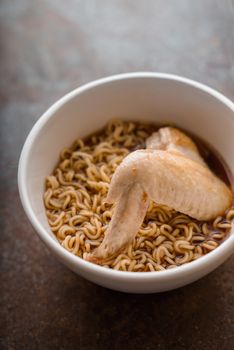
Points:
[(143, 98)]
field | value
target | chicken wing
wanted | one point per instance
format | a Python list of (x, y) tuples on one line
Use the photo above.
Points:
[(170, 172)]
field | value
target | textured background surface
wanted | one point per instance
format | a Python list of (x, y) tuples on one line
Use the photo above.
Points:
[(49, 47)]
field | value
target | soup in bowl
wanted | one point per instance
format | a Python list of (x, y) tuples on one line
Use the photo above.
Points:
[(65, 199)]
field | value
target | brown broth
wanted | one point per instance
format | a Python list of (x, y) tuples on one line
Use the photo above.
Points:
[(205, 234), (214, 160)]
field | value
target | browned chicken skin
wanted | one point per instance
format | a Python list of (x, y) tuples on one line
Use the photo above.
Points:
[(170, 172)]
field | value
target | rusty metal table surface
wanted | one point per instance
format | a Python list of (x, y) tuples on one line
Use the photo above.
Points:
[(49, 47)]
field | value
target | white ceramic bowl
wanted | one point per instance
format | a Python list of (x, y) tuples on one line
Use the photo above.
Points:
[(149, 97)]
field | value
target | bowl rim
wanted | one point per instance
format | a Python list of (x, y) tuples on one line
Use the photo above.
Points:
[(202, 263)]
